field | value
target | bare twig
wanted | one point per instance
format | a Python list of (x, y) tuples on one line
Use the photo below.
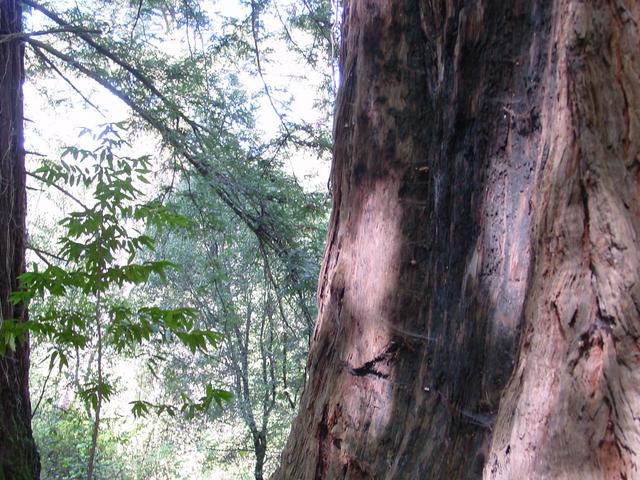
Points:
[(37, 154), (44, 58), (60, 189), (44, 386), (42, 255)]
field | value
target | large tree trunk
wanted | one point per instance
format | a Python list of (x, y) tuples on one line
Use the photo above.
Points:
[(479, 298), (18, 455)]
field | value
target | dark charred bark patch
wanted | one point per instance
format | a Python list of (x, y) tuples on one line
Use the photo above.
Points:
[(371, 367)]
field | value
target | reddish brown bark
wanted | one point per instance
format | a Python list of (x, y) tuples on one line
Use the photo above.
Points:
[(482, 255), (18, 455), (570, 410)]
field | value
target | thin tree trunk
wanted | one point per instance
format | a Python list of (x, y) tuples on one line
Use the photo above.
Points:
[(93, 449), (18, 456), (260, 449), (482, 259)]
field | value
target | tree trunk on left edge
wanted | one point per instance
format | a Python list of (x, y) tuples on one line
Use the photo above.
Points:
[(18, 455)]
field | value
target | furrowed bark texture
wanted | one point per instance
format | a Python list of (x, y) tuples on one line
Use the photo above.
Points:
[(570, 410), (479, 300), (18, 455)]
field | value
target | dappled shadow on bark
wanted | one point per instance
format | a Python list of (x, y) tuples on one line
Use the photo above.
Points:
[(428, 251), (472, 267), (447, 325)]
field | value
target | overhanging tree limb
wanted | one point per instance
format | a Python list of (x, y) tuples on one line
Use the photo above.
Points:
[(227, 188), (137, 74), (8, 37), (53, 66), (217, 180)]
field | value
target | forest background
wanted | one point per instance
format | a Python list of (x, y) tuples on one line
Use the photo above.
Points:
[(177, 155)]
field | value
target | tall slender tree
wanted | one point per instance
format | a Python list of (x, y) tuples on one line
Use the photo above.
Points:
[(18, 455), (480, 294)]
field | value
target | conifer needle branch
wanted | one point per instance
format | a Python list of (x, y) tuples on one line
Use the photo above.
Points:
[(162, 129), (219, 182)]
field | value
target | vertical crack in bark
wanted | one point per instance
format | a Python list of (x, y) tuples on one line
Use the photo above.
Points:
[(323, 434), (586, 238)]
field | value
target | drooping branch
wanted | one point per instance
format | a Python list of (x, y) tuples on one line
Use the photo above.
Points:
[(255, 15), (54, 67), (137, 74), (193, 148), (218, 181)]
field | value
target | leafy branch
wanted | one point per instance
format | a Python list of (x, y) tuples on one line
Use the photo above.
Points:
[(81, 288)]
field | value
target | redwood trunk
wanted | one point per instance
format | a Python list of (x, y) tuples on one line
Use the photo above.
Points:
[(18, 455), (479, 297)]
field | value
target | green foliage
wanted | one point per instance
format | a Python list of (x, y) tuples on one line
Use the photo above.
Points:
[(189, 408), (97, 258), (265, 317), (63, 438), (246, 235)]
